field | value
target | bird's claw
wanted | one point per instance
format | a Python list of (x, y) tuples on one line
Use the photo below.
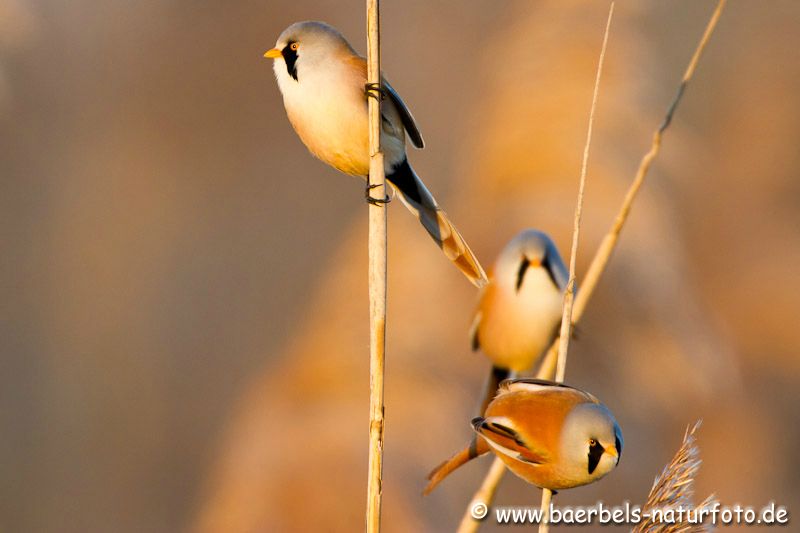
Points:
[(379, 202), (375, 90)]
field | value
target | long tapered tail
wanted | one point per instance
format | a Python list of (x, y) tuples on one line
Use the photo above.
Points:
[(476, 448), (496, 376), (420, 201)]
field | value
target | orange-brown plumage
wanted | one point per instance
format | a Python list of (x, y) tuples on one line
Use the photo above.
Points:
[(475, 448), (519, 310), (550, 435)]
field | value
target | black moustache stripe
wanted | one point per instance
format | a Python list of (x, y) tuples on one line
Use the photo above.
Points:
[(523, 267), (290, 56), (595, 453)]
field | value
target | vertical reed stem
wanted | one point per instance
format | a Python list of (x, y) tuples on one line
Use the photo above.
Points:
[(377, 277), (569, 294)]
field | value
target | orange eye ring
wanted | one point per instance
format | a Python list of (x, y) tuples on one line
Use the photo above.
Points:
[(294, 46)]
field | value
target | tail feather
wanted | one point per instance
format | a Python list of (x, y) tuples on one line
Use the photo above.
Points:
[(496, 376), (476, 448), (419, 201)]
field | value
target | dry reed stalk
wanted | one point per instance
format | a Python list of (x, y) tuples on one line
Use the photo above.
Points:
[(603, 255), (377, 277), (673, 488), (606, 248), (569, 293), (483, 496)]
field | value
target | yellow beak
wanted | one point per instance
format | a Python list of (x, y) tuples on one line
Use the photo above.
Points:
[(612, 451), (273, 53)]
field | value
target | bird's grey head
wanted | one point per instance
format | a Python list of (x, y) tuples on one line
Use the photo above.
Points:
[(591, 441), (305, 44), (530, 248)]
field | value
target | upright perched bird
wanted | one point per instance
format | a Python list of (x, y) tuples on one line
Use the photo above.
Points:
[(549, 434), (324, 87), (519, 311)]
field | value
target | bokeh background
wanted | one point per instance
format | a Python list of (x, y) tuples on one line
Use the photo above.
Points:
[(183, 334)]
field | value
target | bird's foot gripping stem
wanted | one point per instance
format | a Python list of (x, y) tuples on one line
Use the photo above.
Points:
[(375, 90), (375, 201)]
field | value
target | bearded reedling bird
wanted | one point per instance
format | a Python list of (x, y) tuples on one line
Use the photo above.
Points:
[(549, 434), (324, 87), (519, 311)]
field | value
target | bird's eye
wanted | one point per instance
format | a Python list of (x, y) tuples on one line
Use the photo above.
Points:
[(294, 46), (592, 443)]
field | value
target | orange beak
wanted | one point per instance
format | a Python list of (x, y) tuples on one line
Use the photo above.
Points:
[(273, 53)]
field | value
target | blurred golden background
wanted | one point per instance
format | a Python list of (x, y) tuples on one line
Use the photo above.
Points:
[(183, 328)]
